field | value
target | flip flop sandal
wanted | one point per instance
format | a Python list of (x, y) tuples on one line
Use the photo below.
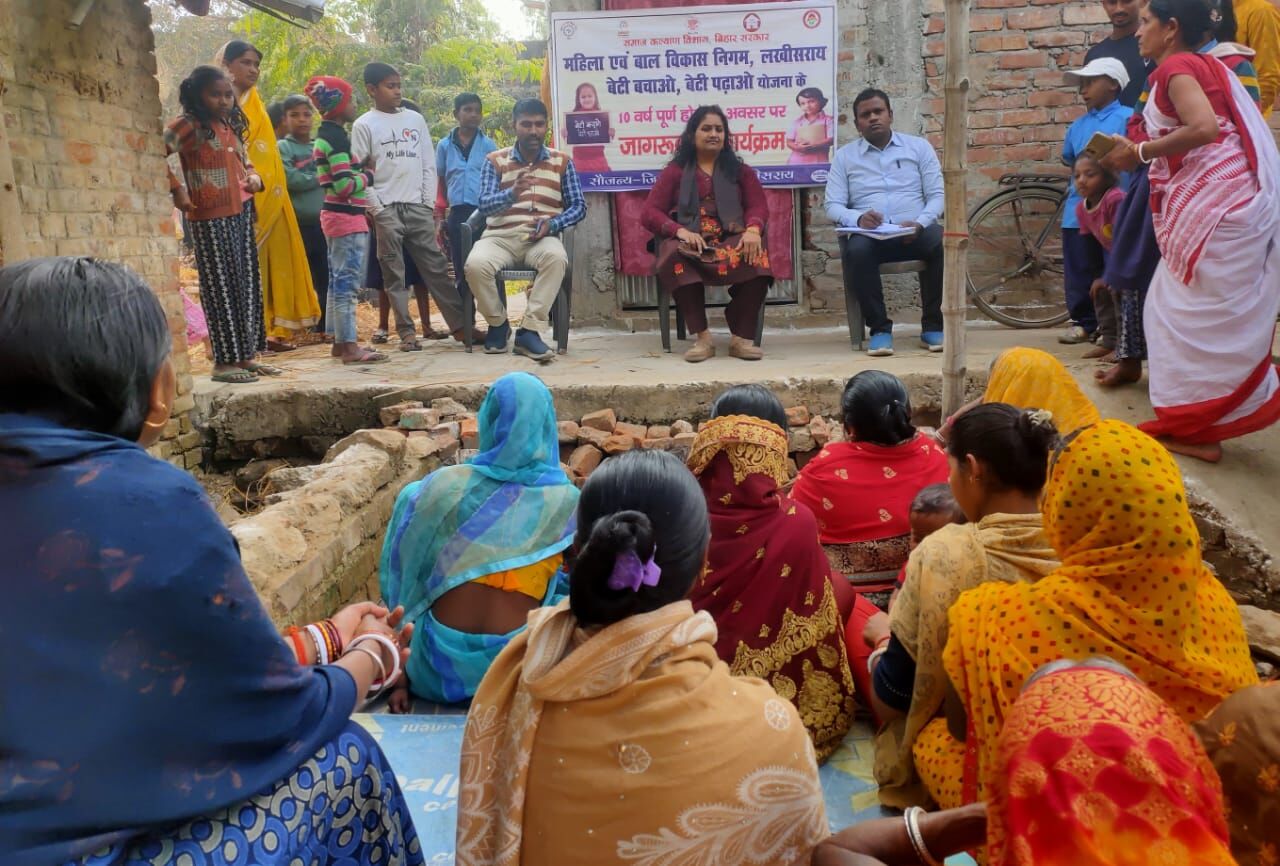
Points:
[(264, 370), (280, 346), (235, 377), (410, 345), (367, 357), (437, 335), (380, 336)]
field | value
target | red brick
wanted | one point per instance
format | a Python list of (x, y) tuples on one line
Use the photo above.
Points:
[(934, 48), (1000, 42), (662, 443), (1051, 98), (797, 416), (995, 136), (658, 431), (1010, 100), (990, 21), (998, 4), (584, 460), (469, 431), (81, 151), (619, 443), (1057, 39), (1009, 81), (1089, 13), (1022, 60), (635, 431), (567, 432), (936, 24), (604, 420), (1025, 116), (1036, 19), (592, 436)]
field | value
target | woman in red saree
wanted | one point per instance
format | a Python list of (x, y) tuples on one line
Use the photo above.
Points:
[(767, 583)]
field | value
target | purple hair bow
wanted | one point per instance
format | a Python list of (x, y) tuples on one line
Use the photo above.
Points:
[(629, 572)]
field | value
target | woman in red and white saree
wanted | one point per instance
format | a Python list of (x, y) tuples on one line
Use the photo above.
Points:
[(1211, 309)]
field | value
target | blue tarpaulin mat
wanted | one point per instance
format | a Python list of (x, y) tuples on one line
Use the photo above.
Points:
[(424, 750)]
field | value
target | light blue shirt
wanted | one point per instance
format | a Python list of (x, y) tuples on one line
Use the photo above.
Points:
[(462, 173), (902, 183), (1110, 119)]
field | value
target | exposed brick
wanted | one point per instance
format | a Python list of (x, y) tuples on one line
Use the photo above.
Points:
[(658, 431), (1087, 13), (620, 443), (584, 460), (990, 21), (797, 416), (1001, 42), (636, 431), (1036, 19), (592, 436), (567, 432), (1022, 60), (469, 432), (604, 420), (390, 415)]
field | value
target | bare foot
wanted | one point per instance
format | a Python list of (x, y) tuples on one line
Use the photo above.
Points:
[(1125, 372), (1102, 353), (1209, 453)]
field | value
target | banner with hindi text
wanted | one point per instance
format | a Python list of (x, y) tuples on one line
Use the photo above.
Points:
[(624, 84)]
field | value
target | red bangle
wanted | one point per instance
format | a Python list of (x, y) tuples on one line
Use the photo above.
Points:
[(335, 636)]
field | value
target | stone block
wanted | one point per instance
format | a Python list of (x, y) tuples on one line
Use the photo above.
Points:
[(681, 427), (450, 429), (448, 408), (820, 430), (584, 460), (388, 441), (567, 432), (797, 416), (469, 432), (449, 449), (682, 443), (390, 415), (800, 440), (592, 436), (604, 420), (419, 419), (419, 446), (635, 431), (619, 443), (662, 443), (658, 431), (1262, 628)]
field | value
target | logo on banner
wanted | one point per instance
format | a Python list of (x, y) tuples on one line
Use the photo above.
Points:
[(751, 23), (568, 28), (692, 23), (812, 18), (624, 29)]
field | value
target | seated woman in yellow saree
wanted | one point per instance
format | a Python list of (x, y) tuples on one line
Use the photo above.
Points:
[(999, 457), (1032, 379), (289, 297), (610, 731), (1132, 586)]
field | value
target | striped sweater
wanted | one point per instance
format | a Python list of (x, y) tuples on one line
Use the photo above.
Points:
[(556, 194), (345, 183)]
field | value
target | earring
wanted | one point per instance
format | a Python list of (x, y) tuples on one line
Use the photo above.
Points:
[(155, 424)]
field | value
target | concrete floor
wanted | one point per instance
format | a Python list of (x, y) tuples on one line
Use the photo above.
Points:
[(631, 371)]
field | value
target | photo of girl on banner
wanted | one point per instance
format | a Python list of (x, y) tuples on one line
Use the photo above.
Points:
[(813, 132), (587, 130)]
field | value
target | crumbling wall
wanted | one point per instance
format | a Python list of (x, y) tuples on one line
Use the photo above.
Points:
[(81, 109)]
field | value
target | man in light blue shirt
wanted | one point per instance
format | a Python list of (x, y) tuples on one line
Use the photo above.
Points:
[(460, 160), (888, 178)]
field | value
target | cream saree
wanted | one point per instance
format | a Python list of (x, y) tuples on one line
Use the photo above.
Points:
[(632, 744), (1009, 548)]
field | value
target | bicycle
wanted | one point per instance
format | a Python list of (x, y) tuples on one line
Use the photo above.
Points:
[(1015, 272)]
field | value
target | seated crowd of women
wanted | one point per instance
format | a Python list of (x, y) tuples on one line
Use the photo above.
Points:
[(657, 664)]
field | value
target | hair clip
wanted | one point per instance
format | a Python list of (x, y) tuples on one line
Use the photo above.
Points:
[(629, 572), (1040, 417)]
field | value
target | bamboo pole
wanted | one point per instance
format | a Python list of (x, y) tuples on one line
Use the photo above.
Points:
[(955, 238), (13, 234)]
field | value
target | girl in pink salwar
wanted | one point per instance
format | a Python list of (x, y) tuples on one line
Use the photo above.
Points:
[(1211, 309)]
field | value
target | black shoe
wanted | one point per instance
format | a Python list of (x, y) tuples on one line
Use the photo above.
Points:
[(529, 344), (495, 342)]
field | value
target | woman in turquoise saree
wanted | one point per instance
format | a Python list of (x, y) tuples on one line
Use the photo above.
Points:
[(472, 549)]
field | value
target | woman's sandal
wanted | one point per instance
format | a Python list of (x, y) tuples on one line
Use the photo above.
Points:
[(367, 356), (235, 377), (264, 369), (279, 346), (380, 336)]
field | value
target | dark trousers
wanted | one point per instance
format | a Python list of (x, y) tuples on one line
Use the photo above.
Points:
[(459, 214), (318, 261), (862, 257), (746, 302), (1081, 264)]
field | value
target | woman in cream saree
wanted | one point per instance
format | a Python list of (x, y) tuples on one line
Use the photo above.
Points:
[(611, 732), (289, 298)]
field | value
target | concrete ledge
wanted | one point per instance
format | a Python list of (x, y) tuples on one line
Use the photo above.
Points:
[(315, 547)]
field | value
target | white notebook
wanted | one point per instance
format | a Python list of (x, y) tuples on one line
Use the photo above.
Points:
[(880, 232)]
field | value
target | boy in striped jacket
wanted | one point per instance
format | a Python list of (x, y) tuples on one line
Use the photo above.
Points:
[(342, 216)]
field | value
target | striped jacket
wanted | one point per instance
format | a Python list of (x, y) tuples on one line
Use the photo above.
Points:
[(345, 184), (556, 194)]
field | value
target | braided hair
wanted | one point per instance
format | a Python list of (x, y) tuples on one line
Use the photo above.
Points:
[(191, 98)]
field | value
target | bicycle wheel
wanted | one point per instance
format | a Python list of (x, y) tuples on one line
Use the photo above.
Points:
[(1015, 257)]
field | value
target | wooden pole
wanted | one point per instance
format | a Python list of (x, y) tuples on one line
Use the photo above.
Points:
[(13, 234), (955, 238)]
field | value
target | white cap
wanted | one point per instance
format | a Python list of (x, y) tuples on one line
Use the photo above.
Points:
[(1107, 67)]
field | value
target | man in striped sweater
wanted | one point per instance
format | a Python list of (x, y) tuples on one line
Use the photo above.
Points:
[(342, 215), (530, 195)]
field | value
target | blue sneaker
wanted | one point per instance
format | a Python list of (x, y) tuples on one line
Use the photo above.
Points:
[(529, 344), (931, 340), (495, 342), (881, 345)]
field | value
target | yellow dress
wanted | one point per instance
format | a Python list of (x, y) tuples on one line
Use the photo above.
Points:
[(289, 298)]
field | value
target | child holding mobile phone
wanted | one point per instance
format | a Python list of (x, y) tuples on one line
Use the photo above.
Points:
[(1101, 82)]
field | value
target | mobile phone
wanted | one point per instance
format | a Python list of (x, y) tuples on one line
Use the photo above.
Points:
[(1100, 144)]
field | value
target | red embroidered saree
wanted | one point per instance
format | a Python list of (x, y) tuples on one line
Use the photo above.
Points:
[(767, 581)]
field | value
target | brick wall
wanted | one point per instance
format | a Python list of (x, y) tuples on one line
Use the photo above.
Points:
[(82, 111), (1019, 104)]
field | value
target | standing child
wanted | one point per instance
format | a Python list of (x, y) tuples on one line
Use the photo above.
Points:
[(460, 158), (813, 132), (342, 216), (396, 144), (213, 182), (297, 151), (1101, 197), (1101, 82)]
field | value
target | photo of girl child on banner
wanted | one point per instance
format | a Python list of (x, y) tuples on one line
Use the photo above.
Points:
[(813, 132)]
